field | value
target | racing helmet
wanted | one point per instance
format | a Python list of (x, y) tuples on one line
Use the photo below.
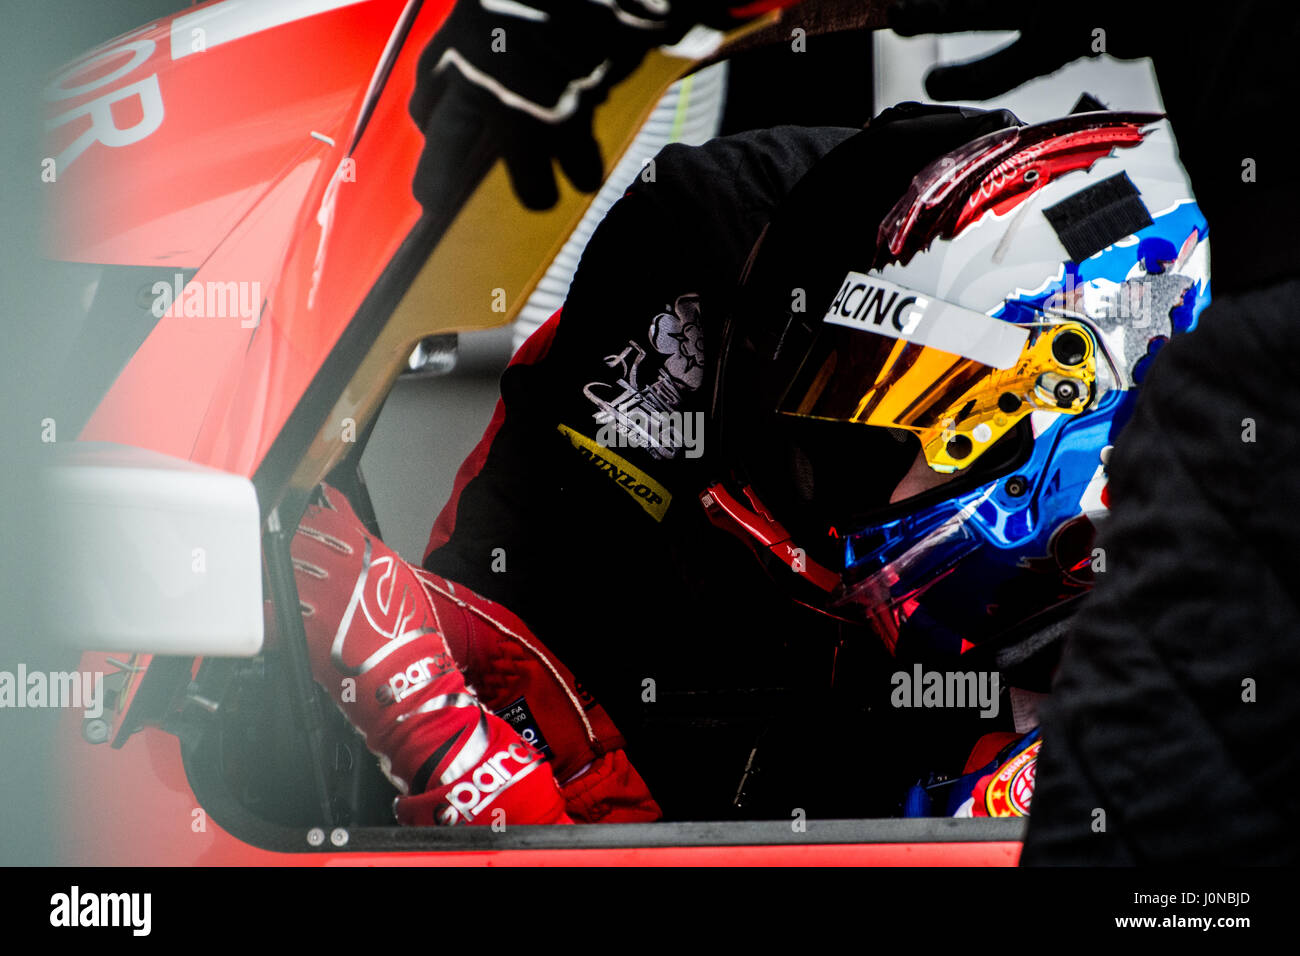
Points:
[(937, 340)]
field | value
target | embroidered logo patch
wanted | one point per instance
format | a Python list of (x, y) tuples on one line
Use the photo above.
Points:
[(642, 407), (520, 717)]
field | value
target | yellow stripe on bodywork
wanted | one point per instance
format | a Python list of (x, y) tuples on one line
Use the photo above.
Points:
[(645, 491)]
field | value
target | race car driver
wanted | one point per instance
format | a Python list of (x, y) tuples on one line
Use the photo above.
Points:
[(604, 550), (962, 556), (581, 507), (712, 696)]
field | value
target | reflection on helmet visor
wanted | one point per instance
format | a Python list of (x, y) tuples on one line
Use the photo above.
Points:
[(865, 367)]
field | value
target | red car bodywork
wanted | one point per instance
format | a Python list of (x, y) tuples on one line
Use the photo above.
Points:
[(246, 178), (282, 154)]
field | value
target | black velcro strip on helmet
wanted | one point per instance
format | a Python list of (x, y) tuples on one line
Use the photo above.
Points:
[(1098, 216)]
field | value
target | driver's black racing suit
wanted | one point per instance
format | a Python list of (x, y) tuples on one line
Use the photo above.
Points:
[(603, 546)]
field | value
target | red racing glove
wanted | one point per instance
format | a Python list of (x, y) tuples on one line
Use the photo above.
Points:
[(377, 647), (395, 646)]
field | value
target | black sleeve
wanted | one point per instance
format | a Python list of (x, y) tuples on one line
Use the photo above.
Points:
[(1229, 92)]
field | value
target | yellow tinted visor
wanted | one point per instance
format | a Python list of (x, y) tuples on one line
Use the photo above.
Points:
[(882, 360)]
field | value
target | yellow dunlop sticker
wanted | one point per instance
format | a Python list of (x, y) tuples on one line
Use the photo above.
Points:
[(649, 494)]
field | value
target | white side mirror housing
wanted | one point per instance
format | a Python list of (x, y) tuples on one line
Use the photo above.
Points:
[(151, 553)]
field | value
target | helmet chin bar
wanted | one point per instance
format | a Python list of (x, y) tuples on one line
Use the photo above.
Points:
[(756, 527), (878, 607), (925, 563)]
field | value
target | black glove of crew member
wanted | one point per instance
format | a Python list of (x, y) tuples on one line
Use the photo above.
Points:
[(526, 75), (1051, 35)]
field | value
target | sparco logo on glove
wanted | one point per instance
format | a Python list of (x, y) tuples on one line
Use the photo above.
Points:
[(490, 779), (406, 682)]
